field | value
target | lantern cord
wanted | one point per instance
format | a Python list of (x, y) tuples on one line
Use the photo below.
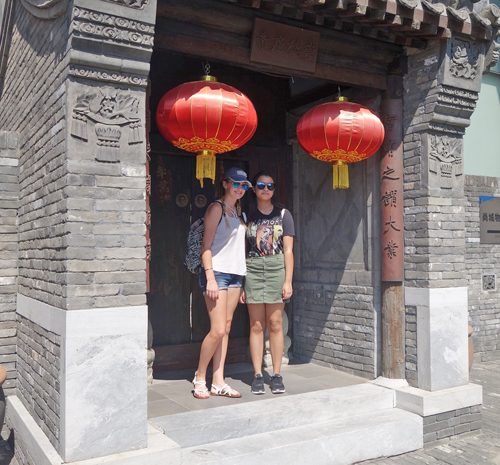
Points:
[(206, 67), (340, 94)]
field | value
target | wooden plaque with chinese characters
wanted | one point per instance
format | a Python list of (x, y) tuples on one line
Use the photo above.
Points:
[(281, 45), (391, 184)]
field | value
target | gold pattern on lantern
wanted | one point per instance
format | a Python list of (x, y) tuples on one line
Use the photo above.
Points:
[(196, 144)]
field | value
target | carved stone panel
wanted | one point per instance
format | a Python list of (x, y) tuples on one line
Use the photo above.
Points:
[(463, 65), (444, 161), (108, 121)]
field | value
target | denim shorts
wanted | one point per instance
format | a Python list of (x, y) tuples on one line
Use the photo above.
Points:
[(224, 280)]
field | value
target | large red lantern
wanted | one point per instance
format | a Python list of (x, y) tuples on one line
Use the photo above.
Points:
[(206, 117), (340, 132)]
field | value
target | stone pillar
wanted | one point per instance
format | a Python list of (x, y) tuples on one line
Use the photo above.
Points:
[(81, 303), (441, 89)]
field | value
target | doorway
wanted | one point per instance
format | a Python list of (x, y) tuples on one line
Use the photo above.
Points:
[(176, 305)]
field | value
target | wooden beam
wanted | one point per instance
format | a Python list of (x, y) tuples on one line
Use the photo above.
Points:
[(228, 53)]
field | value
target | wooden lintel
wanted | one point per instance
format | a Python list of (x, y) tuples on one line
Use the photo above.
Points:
[(293, 13), (241, 56)]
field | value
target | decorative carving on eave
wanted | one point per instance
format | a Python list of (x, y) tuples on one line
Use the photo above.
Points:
[(112, 28), (107, 76), (138, 4), (464, 60), (46, 9)]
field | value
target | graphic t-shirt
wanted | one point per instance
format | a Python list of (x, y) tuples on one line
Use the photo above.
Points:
[(265, 233)]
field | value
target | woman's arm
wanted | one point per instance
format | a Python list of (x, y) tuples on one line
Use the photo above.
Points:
[(212, 219), (288, 252)]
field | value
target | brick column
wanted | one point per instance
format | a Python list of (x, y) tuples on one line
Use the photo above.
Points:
[(81, 304), (441, 90)]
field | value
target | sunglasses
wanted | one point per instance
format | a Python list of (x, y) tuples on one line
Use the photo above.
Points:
[(262, 185), (243, 185)]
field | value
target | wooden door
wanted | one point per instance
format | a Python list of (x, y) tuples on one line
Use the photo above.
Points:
[(177, 309)]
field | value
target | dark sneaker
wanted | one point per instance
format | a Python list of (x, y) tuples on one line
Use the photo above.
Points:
[(277, 386), (258, 385)]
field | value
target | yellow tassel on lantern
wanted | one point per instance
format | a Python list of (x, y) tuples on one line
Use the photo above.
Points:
[(205, 165), (340, 175)]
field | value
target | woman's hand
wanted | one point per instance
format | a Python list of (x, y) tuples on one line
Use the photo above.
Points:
[(242, 299), (212, 290), (287, 291)]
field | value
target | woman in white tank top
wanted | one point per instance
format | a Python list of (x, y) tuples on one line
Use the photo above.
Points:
[(223, 257)]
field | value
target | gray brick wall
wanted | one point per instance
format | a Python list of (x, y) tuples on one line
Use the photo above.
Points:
[(9, 192), (38, 365), (452, 423), (334, 325), (33, 104), (482, 260), (411, 345)]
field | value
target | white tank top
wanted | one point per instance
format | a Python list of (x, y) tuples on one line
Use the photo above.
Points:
[(228, 247)]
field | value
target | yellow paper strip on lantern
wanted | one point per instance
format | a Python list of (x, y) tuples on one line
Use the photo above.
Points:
[(340, 175), (205, 165)]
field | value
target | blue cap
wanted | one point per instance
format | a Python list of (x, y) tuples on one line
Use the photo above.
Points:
[(237, 174)]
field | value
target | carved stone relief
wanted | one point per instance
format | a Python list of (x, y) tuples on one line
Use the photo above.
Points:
[(112, 113), (46, 9), (112, 28), (464, 60), (445, 159), (108, 76)]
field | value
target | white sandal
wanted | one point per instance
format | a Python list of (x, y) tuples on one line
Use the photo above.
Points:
[(200, 387), (224, 391)]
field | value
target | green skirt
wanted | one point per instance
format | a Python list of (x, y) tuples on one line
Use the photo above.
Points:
[(264, 279)]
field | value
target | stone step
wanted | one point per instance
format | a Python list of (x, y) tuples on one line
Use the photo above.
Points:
[(278, 412), (343, 441)]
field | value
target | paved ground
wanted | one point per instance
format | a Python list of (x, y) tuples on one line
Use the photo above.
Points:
[(171, 392), (482, 448), (172, 395)]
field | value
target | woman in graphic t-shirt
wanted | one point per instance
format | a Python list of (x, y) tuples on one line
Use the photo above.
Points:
[(268, 283), (223, 258)]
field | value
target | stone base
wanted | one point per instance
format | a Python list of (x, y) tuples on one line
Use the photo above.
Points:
[(160, 450), (445, 413)]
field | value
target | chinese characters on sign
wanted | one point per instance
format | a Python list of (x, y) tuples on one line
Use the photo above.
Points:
[(286, 46), (489, 220), (391, 195)]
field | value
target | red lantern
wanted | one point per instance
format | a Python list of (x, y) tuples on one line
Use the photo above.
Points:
[(340, 132), (206, 117)]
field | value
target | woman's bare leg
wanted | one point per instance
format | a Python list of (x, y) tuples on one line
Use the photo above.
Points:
[(274, 316), (232, 296), (257, 313), (217, 311)]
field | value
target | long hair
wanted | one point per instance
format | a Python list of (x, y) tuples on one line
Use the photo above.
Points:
[(252, 204), (219, 195)]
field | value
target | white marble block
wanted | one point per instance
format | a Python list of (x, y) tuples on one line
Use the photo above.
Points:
[(103, 377), (442, 343)]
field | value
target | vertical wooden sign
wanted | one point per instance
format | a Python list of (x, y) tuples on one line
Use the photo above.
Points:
[(391, 191)]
